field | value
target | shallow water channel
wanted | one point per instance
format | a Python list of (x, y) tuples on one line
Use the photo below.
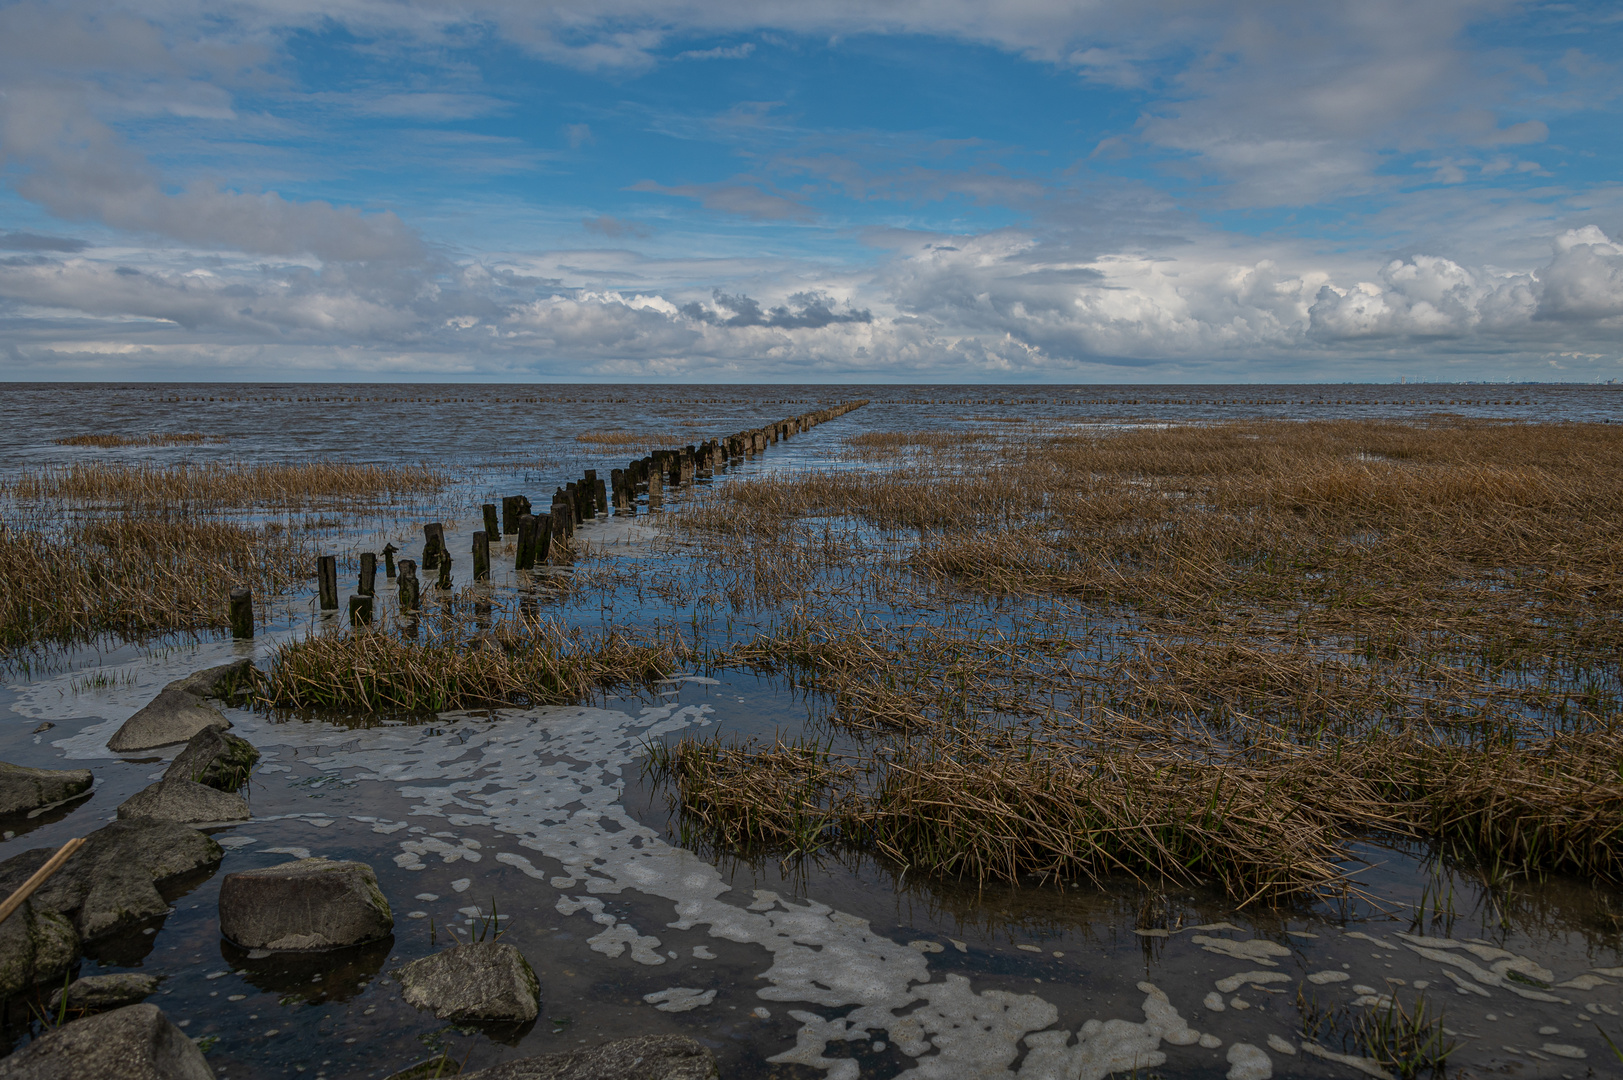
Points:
[(543, 824)]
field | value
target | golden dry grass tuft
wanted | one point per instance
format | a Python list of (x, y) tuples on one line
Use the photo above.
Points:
[(526, 665), (212, 485), (136, 576)]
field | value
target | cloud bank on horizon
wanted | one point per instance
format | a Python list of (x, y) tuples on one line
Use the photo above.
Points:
[(914, 190)]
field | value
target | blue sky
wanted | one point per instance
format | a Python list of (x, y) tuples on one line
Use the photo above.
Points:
[(636, 190)]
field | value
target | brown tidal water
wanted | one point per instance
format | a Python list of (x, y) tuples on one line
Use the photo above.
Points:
[(837, 965)]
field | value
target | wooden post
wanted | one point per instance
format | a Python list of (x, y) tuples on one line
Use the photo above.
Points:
[(433, 544), (543, 539), (360, 611), (602, 498), (39, 877), (525, 558), (242, 613), (491, 530), (327, 581), (410, 591), (445, 570), (369, 574), (617, 481), (388, 560), (656, 488), (481, 553), (510, 515)]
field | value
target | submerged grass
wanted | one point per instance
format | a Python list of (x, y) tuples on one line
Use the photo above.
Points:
[(1071, 641)]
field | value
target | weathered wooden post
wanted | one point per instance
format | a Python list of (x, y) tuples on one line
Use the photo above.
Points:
[(433, 544), (388, 560), (602, 498), (360, 611), (563, 519), (656, 487), (481, 555), (242, 613), (525, 558), (367, 586), (617, 481), (410, 590), (445, 570), (327, 581), (510, 515), (489, 510), (543, 539)]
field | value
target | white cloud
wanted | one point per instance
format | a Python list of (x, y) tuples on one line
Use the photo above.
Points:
[(996, 304)]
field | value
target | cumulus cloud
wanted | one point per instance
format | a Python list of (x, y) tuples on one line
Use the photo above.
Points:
[(1585, 279), (810, 310), (996, 304)]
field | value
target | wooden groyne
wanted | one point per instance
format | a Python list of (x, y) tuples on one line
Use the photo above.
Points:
[(537, 534)]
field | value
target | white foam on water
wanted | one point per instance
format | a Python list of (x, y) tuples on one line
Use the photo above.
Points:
[(550, 780)]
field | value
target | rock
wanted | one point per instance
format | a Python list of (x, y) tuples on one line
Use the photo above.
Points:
[(185, 802), (649, 1057), (173, 716), (216, 758), (22, 788), (482, 980), (112, 881), (302, 905), (96, 993), (37, 945), (221, 681), (136, 1042), (179, 711)]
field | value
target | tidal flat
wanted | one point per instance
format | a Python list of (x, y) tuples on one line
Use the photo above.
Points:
[(1038, 732)]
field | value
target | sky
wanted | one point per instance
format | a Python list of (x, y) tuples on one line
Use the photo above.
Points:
[(811, 191)]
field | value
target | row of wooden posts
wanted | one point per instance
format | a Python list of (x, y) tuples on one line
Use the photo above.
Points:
[(535, 534)]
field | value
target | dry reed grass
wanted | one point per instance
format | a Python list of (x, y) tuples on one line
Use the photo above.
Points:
[(1362, 627), (208, 485), (524, 666), (109, 442), (134, 577)]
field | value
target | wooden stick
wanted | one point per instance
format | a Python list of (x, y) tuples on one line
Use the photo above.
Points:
[(41, 876)]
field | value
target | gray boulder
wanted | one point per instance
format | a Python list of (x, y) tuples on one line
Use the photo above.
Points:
[(482, 980), (304, 905), (185, 802), (112, 881), (220, 681), (649, 1057), (37, 945), (97, 993), (173, 716), (179, 711), (22, 788), (216, 758), (133, 1043)]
